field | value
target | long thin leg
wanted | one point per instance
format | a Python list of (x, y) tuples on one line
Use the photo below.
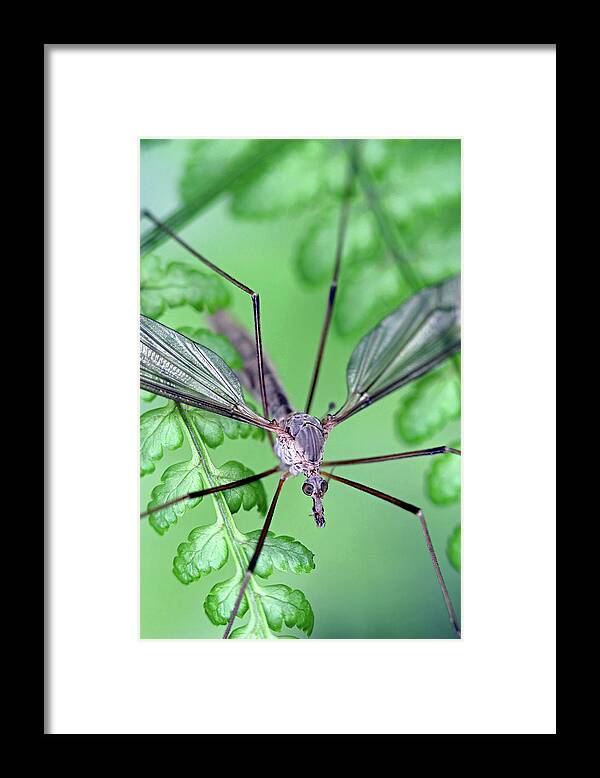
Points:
[(341, 234), (254, 295), (424, 452), (421, 516), (255, 556), (212, 490)]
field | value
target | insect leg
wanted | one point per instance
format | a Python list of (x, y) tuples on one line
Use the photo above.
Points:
[(421, 516), (424, 452), (254, 295), (342, 226), (255, 556), (212, 490)]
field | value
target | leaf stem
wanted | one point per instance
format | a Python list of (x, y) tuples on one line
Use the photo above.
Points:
[(388, 233), (234, 537)]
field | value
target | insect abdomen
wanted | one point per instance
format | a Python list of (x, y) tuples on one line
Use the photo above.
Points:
[(279, 406)]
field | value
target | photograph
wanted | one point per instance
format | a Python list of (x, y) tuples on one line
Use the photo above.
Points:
[(300, 374), (300, 387)]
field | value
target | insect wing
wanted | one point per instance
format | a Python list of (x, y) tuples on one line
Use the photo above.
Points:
[(176, 367), (412, 340)]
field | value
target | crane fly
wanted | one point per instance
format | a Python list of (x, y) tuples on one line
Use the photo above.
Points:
[(419, 335)]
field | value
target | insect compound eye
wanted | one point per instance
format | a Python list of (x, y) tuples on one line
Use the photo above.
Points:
[(324, 486), (307, 488)]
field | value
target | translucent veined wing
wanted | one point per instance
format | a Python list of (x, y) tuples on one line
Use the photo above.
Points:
[(178, 368), (412, 340)]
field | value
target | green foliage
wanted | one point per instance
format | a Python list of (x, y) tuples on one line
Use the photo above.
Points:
[(417, 187), (247, 496), (166, 284), (270, 177), (284, 605), (369, 293), (428, 405), (214, 429), (443, 488), (421, 173), (221, 599), (162, 428), (176, 481), (209, 426), (316, 251), (281, 553), (431, 235), (204, 551), (210, 163), (209, 546), (212, 169), (249, 631), (371, 284), (305, 175), (443, 479), (453, 548), (215, 166), (414, 188), (159, 429)]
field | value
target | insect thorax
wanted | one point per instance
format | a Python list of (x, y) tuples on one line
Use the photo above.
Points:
[(300, 446)]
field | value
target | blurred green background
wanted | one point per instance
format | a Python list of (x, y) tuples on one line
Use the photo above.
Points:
[(373, 577)]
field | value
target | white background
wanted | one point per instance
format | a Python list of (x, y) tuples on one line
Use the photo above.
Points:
[(500, 677)]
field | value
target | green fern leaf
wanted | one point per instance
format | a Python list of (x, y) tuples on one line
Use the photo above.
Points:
[(249, 631), (204, 551), (283, 605), (170, 284), (177, 481), (303, 177), (248, 496), (281, 552), (443, 479), (160, 428), (428, 405), (221, 599), (453, 548)]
